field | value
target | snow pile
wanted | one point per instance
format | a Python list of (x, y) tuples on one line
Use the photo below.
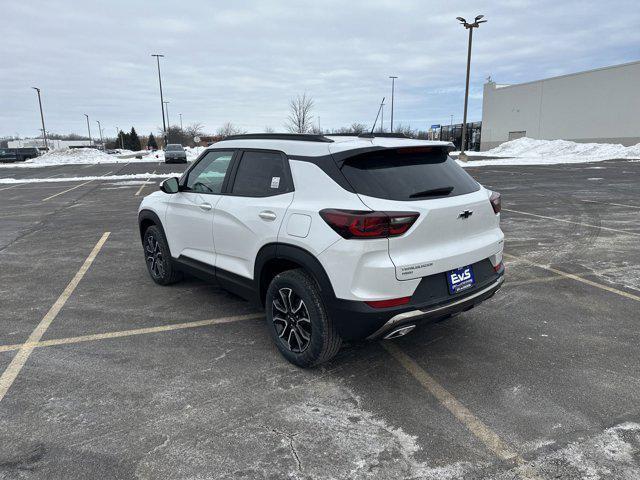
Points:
[(529, 147), (528, 151), (131, 176), (76, 156)]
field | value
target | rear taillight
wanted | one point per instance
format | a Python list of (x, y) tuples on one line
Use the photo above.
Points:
[(496, 202), (362, 224), (393, 302), (496, 268)]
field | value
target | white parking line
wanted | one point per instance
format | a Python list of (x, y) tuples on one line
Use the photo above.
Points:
[(72, 188), (574, 223), (616, 204), (18, 184), (144, 184), (12, 371)]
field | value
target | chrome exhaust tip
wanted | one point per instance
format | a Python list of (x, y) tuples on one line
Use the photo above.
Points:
[(399, 332)]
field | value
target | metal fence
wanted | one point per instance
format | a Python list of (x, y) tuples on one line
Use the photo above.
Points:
[(453, 133)]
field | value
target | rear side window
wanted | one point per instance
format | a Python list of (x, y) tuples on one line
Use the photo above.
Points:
[(261, 174), (409, 174)]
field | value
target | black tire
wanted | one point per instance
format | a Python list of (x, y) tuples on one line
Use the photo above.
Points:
[(290, 329), (158, 258)]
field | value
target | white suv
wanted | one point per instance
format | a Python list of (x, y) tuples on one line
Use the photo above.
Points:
[(336, 237)]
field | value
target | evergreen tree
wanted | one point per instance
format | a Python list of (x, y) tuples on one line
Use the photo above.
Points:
[(134, 141), (151, 143)]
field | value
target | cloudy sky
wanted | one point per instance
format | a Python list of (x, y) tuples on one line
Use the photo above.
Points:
[(241, 61)]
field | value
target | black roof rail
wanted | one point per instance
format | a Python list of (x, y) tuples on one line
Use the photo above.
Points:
[(301, 137), (383, 135)]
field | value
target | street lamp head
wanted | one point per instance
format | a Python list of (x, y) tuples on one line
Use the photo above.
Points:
[(479, 17), (36, 88), (157, 55), (460, 19)]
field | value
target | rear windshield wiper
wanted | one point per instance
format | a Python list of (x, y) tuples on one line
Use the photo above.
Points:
[(434, 192)]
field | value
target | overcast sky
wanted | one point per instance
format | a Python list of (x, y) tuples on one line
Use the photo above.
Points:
[(241, 61)]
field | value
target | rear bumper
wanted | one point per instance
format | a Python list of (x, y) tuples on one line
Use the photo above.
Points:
[(456, 306), (431, 301)]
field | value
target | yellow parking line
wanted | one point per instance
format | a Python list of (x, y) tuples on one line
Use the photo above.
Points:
[(575, 223), (73, 188), (144, 184), (478, 428), (132, 332), (555, 277), (12, 371), (578, 278)]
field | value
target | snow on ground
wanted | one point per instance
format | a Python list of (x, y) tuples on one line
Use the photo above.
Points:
[(75, 156), (132, 176), (528, 151), (80, 156)]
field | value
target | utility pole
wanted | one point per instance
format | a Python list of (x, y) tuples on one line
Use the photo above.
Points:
[(166, 107), (89, 129), (382, 116), (180, 121), (100, 130), (451, 128), (118, 137), (469, 26), (393, 85), (164, 126), (44, 132)]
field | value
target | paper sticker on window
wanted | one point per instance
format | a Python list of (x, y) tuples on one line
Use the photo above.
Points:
[(275, 182)]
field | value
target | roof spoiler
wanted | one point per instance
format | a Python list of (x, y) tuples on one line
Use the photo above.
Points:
[(341, 157)]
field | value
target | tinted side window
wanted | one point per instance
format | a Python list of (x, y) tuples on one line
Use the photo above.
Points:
[(261, 174), (408, 175), (208, 175)]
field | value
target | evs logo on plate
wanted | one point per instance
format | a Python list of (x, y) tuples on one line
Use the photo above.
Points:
[(460, 279)]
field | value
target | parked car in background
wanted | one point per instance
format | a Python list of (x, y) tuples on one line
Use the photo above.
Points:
[(175, 153), (18, 154)]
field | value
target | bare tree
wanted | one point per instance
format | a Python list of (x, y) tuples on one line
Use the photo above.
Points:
[(229, 129), (355, 128), (300, 119), (194, 130), (269, 129)]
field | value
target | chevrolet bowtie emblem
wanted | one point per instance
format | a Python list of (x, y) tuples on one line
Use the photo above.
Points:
[(465, 214)]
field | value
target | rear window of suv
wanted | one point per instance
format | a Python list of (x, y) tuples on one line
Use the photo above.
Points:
[(408, 174)]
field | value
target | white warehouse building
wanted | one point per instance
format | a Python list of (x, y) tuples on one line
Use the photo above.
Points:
[(601, 106)]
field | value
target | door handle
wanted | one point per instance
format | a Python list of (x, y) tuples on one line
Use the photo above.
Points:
[(205, 206), (267, 215)]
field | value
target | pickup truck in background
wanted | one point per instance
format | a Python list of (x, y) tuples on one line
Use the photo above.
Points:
[(8, 155)]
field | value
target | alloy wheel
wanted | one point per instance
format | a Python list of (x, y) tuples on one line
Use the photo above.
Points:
[(155, 259), (291, 320)]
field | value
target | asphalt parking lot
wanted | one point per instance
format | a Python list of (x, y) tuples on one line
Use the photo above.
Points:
[(107, 375)]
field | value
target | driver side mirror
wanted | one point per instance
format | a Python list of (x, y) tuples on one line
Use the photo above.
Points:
[(170, 185)]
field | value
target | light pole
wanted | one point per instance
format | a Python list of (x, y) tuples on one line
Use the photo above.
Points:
[(166, 107), (180, 121), (469, 26), (164, 126), (89, 129), (382, 116), (44, 132), (393, 85), (100, 130)]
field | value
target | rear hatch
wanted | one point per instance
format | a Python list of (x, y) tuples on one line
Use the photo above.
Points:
[(456, 226)]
